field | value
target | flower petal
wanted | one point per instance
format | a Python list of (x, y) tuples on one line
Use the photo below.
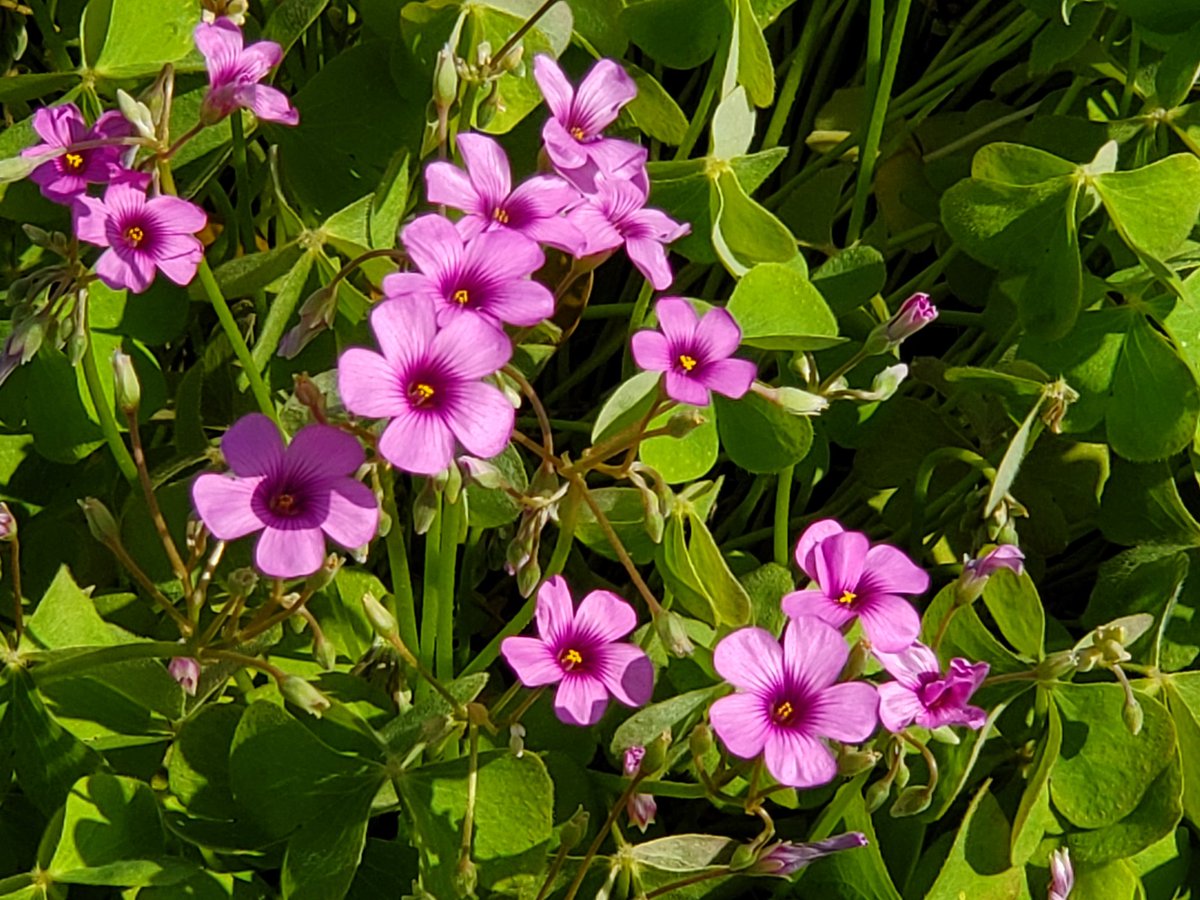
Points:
[(554, 85), (525, 302), (433, 244), (605, 616), (449, 185), (888, 570), (845, 712), (131, 271), (532, 660), (891, 622), (798, 760), (839, 562), (487, 167), (267, 103), (322, 453), (731, 377), (602, 93), (686, 389), (677, 320), (751, 659), (626, 672), (176, 215), (813, 535), (555, 610), (418, 442), (369, 385), (91, 220), (718, 334), (564, 151), (651, 351), (580, 700), (404, 328), (908, 665), (651, 260), (814, 652), (253, 446), (482, 419), (814, 602), (291, 553), (470, 347), (352, 517), (898, 706), (178, 257), (503, 255), (224, 505), (742, 723)]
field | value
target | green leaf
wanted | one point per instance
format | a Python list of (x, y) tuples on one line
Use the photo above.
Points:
[(513, 817), (684, 458), (760, 436), (645, 725), (752, 56), (108, 819), (491, 508), (766, 586), (142, 35), (859, 873), (1105, 771), (132, 873), (1155, 207), (290, 19), (626, 405), (777, 308), (655, 111), (966, 635), (745, 233), (978, 863), (1018, 164), (1144, 579), (680, 34), (279, 313), (624, 511), (732, 126), (1183, 699), (389, 202), (729, 599), (324, 853), (1050, 298), (1033, 812), (1016, 607), (20, 88), (679, 572), (850, 278), (1010, 464), (1141, 505), (1155, 402)]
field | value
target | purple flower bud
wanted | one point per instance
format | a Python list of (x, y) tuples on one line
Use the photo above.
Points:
[(1062, 875), (186, 671), (8, 523), (783, 858), (633, 759), (914, 314), (641, 808), (976, 572)]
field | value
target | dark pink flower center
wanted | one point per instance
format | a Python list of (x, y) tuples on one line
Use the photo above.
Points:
[(421, 393), (135, 235), (787, 710), (285, 504)]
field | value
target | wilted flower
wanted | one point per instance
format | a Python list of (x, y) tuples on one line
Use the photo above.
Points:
[(922, 694), (852, 579), (67, 175), (295, 495), (234, 73), (485, 193), (574, 134), (581, 651), (695, 353), (641, 808), (784, 859), (142, 234), (788, 700), (428, 382), (617, 214), (1062, 875), (976, 572), (186, 671), (484, 277)]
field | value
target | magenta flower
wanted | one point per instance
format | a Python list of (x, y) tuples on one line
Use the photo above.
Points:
[(485, 193), (574, 134), (142, 234), (485, 277), (428, 383), (788, 700), (641, 808), (922, 694), (617, 214), (976, 572), (852, 579), (696, 353), (784, 859), (234, 73), (186, 671), (581, 651), (914, 314), (1062, 875), (295, 495), (67, 175)]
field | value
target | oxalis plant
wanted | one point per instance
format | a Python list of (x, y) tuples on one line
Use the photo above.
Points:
[(599, 449)]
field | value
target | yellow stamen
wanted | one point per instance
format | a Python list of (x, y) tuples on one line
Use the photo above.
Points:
[(688, 362), (501, 216), (847, 597), (74, 161), (571, 658), (784, 712), (578, 133), (421, 392), (462, 297), (135, 235)]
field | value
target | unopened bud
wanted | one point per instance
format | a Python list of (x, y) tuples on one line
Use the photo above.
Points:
[(424, 507), (1132, 715), (381, 620), (319, 579), (186, 671), (914, 314), (8, 523), (299, 692), (77, 345), (854, 762), (684, 421), (574, 829), (529, 576), (137, 114), (512, 60), (673, 634), (466, 877), (242, 582), (903, 774), (792, 400), (481, 472), (40, 237), (700, 740), (856, 663), (445, 78), (324, 653), (126, 386), (743, 857), (654, 760), (309, 395), (100, 521), (877, 794), (912, 800), (516, 739)]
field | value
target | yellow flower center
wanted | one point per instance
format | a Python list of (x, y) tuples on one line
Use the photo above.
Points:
[(421, 392), (501, 216), (847, 597), (578, 133), (135, 235), (688, 362), (462, 296), (73, 161), (784, 712), (571, 658)]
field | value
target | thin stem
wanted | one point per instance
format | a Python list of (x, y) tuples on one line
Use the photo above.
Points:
[(534, 401), (783, 498), (156, 516), (521, 32), (581, 873), (618, 547), (666, 889), (791, 83), (841, 370), (245, 215), (430, 596), (104, 412), (560, 857), (468, 825), (452, 514), (15, 567), (123, 557), (248, 662), (401, 648), (406, 607)]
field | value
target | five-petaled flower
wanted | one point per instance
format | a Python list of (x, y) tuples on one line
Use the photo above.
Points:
[(615, 214), (428, 382), (142, 234), (295, 495), (922, 694), (695, 353), (574, 133), (486, 195), (68, 174), (234, 73), (484, 277), (788, 700), (582, 651), (852, 579)]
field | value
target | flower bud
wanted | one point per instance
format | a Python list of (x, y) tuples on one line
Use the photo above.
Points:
[(684, 421), (700, 740), (912, 800), (784, 859), (654, 760), (137, 114), (529, 576), (516, 739), (574, 829), (100, 521), (856, 663), (914, 314), (309, 395), (888, 381), (743, 857), (424, 507), (242, 582), (126, 386), (673, 634), (324, 653), (481, 472), (186, 671), (792, 400), (854, 762), (321, 578), (317, 314), (877, 794), (1062, 875), (39, 237), (8, 523), (381, 620), (976, 572), (1132, 715), (445, 78), (299, 692), (642, 810), (466, 877)]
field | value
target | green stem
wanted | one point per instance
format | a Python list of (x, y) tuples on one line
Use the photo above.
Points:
[(452, 514), (258, 387), (795, 74), (883, 89), (925, 475), (700, 117), (245, 217), (104, 411), (56, 48), (783, 497), (430, 600), (406, 607)]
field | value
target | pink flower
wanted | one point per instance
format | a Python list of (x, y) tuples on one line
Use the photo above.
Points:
[(617, 214), (922, 694), (788, 700), (853, 579), (142, 234), (581, 651), (695, 353), (914, 314), (641, 808), (186, 671), (484, 277), (65, 177), (234, 73), (574, 135), (428, 382), (485, 193), (976, 572), (784, 859), (295, 495), (1062, 875)]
